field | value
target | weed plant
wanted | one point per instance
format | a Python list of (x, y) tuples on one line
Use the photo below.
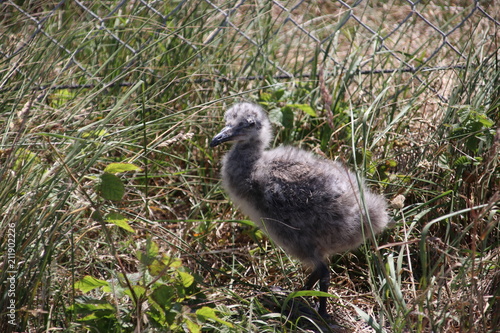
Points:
[(111, 212)]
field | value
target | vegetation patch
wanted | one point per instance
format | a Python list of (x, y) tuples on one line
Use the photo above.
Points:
[(111, 211)]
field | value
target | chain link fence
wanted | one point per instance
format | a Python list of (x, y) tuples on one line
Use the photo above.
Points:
[(289, 37), (86, 83)]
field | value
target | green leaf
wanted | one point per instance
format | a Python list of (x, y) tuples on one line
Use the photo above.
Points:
[(112, 187), (163, 295), (186, 279), (144, 258), (60, 97), (148, 258), (483, 119), (278, 94), (95, 311), (139, 291), (209, 313), (155, 267), (121, 167), (462, 161), (119, 220), (175, 263), (25, 157), (304, 107), (192, 326), (391, 163), (152, 248), (89, 283), (265, 96), (276, 116)]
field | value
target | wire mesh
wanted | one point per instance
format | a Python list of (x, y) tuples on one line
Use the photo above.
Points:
[(408, 36)]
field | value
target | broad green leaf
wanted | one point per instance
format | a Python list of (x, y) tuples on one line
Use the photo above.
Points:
[(121, 167), (163, 295), (209, 313), (304, 107), (278, 94), (186, 278), (144, 258), (89, 283), (174, 263), (152, 248), (139, 291), (192, 326), (155, 267), (120, 221), (276, 116), (483, 119), (99, 312), (265, 96), (148, 257), (391, 163), (112, 187)]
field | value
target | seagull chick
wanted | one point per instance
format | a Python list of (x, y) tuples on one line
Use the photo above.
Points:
[(310, 206)]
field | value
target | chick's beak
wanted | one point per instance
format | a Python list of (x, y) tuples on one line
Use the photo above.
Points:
[(226, 134)]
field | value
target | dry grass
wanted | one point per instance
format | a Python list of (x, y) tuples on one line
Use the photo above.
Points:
[(431, 136)]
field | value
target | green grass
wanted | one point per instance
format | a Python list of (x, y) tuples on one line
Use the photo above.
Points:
[(111, 210)]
